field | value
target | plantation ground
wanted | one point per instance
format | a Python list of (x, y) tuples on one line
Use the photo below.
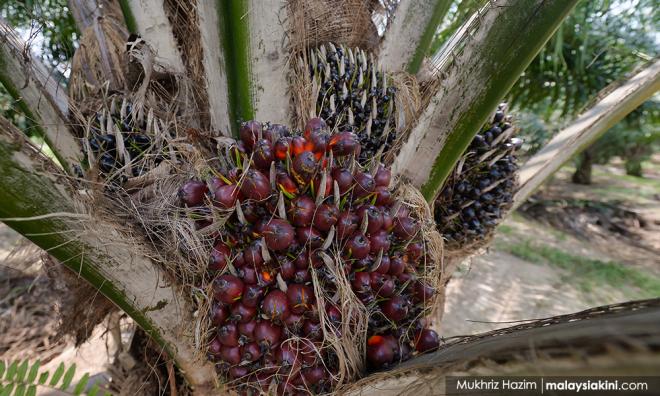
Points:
[(571, 248)]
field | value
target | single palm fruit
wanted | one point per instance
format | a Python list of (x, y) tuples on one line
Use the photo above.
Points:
[(192, 193), (275, 306), (426, 340), (480, 190), (355, 95), (379, 352)]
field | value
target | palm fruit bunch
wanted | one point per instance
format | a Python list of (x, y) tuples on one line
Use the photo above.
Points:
[(354, 95), (301, 219), (120, 142), (480, 189)]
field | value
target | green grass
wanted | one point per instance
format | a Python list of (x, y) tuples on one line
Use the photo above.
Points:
[(588, 273), (505, 229)]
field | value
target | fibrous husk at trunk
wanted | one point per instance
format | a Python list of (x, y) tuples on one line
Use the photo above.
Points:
[(184, 19), (99, 63), (346, 22)]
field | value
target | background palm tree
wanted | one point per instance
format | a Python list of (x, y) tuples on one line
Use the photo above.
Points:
[(235, 60)]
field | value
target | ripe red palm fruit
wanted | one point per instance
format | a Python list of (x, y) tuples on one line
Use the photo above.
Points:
[(225, 197), (255, 185), (379, 352), (219, 257), (287, 356), (246, 330), (415, 250), (275, 306), (286, 183), (396, 308), (383, 285), (388, 220), (309, 236), (294, 322), (319, 142), (374, 217), (304, 166), (344, 143), (328, 184), (383, 176), (316, 259), (300, 298), (282, 148), (347, 224), (263, 155), (278, 234), (384, 266), (252, 255), (251, 352), (344, 179), (219, 313), (334, 314), (422, 292), (361, 282), (357, 247), (228, 334), (287, 268), (326, 216), (266, 277), (379, 240), (427, 340), (249, 133), (301, 211), (315, 124), (309, 353), (228, 289), (383, 196), (397, 264), (299, 145), (302, 276), (231, 354), (248, 275), (405, 228), (275, 131), (242, 313), (364, 184), (252, 295), (192, 193), (312, 330), (215, 346), (237, 372), (314, 375), (267, 333), (250, 211)]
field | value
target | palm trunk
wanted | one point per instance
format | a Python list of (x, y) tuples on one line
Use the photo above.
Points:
[(582, 174), (634, 158)]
